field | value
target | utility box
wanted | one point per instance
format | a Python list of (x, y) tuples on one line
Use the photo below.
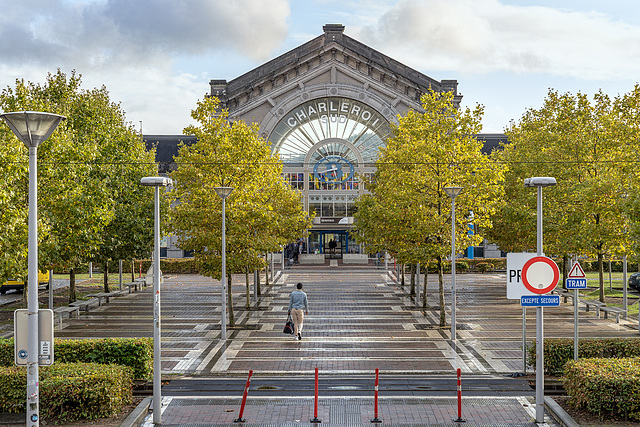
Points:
[(21, 336)]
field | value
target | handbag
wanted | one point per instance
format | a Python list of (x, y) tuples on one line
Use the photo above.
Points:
[(288, 327)]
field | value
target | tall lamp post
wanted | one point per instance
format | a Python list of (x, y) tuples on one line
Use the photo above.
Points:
[(539, 182), (32, 128), (224, 192), (156, 182), (453, 192)]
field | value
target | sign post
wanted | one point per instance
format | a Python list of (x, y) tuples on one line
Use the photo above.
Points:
[(515, 289), (576, 280)]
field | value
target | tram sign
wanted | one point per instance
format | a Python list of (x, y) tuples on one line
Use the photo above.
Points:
[(576, 279), (540, 275), (577, 272), (576, 283)]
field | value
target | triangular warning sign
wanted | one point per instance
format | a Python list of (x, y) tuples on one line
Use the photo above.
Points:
[(576, 272)]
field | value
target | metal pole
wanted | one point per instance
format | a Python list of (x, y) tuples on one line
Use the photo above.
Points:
[(418, 285), (575, 324), (524, 340), (33, 384), (255, 287), (624, 286), (157, 381), (51, 289), (539, 326), (223, 332), (453, 268), (120, 273)]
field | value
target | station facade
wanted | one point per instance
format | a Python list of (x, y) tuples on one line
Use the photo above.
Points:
[(326, 108)]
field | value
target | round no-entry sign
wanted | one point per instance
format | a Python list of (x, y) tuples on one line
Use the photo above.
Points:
[(540, 275)]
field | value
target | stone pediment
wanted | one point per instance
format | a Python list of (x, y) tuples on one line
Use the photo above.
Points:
[(330, 65)]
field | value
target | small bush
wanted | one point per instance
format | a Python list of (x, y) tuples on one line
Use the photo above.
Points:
[(462, 266), (136, 353), (558, 351), (483, 267), (605, 387), (69, 392)]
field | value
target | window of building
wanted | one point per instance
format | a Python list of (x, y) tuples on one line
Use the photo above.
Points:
[(295, 180)]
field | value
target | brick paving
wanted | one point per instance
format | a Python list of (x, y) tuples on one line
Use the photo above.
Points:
[(432, 411), (359, 320)]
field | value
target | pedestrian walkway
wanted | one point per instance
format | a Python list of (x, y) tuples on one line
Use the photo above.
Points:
[(433, 411), (359, 320)]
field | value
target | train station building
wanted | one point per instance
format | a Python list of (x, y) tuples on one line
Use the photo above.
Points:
[(326, 108)]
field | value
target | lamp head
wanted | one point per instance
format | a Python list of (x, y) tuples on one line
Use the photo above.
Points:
[(223, 192), (32, 127), (156, 181), (453, 191), (540, 181)]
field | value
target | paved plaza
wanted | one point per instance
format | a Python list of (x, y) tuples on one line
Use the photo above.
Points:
[(359, 320)]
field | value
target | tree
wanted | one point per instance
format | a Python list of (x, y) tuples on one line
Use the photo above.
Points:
[(582, 144), (79, 171), (263, 213), (407, 211)]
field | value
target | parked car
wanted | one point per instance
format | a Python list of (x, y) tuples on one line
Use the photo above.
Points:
[(634, 281), (43, 279)]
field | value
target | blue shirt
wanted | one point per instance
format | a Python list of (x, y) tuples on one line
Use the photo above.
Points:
[(298, 299)]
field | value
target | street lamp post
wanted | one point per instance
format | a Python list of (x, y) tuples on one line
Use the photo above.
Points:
[(539, 182), (32, 128), (453, 192), (224, 192), (156, 182)]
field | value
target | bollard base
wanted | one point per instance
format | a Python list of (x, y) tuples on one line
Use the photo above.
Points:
[(239, 420), (376, 420), (315, 420), (459, 420)]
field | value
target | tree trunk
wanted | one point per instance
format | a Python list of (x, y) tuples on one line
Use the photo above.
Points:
[(105, 277), (230, 301), (601, 274), (259, 292), (248, 286), (72, 286), (412, 292), (424, 287), (443, 314), (266, 272), (402, 279), (133, 270)]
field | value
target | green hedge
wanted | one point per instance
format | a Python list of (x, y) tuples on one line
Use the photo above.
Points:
[(136, 353), (558, 351), (69, 391), (605, 387)]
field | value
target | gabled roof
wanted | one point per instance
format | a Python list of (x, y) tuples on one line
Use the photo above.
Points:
[(332, 39)]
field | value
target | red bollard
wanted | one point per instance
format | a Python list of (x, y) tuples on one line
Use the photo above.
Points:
[(315, 407), (375, 402), (459, 419), (244, 399)]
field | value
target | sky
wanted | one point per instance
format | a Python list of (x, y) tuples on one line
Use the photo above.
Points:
[(156, 57)]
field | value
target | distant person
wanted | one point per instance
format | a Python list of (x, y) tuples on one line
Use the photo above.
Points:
[(298, 307), (332, 246)]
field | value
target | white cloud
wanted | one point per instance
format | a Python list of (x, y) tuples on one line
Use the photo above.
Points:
[(487, 36), (98, 33), (135, 47)]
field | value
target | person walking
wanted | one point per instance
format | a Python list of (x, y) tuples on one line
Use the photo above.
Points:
[(298, 307)]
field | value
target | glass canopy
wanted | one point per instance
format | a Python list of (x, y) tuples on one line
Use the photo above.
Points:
[(325, 119)]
